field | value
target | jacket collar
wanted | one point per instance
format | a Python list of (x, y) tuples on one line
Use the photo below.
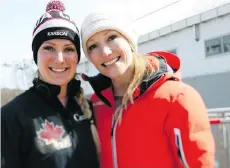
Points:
[(49, 90)]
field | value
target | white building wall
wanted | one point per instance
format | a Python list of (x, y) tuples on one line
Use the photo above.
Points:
[(192, 52)]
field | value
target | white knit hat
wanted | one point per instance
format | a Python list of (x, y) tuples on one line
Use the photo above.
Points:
[(96, 22)]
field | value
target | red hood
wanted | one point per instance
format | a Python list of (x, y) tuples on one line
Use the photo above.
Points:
[(172, 60)]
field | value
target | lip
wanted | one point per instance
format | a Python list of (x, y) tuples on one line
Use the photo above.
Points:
[(111, 62), (58, 70)]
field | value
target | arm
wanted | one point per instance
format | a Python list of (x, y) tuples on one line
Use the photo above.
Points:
[(10, 145), (189, 131)]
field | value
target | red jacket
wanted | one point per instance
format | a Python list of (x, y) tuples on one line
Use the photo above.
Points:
[(166, 127)]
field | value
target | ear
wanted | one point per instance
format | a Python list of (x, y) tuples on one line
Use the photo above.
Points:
[(38, 75)]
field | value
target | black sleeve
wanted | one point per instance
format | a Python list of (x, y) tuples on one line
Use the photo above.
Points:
[(10, 143)]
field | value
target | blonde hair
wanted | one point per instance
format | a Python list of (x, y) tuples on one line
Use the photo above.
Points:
[(85, 107), (144, 67)]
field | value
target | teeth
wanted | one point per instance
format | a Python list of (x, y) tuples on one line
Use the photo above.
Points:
[(111, 62), (58, 70)]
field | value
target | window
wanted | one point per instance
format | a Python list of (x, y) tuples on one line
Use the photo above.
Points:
[(217, 45), (226, 43), (213, 46)]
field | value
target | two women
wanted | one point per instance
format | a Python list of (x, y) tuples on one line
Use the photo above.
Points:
[(146, 117)]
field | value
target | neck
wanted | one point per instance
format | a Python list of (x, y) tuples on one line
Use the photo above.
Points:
[(62, 96), (121, 83)]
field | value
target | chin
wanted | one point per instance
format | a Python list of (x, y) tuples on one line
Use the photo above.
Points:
[(114, 75), (60, 82)]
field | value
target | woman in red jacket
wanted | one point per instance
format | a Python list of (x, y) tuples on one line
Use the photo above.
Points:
[(146, 116)]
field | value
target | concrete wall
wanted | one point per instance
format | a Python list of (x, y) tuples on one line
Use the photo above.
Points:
[(214, 88)]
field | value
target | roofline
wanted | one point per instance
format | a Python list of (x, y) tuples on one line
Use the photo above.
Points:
[(185, 23)]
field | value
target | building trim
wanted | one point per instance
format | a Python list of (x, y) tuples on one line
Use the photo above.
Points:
[(188, 22)]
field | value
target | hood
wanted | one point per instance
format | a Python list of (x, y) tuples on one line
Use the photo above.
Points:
[(169, 69), (172, 61)]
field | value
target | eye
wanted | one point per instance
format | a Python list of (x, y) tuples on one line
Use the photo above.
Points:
[(48, 48), (112, 37), (69, 49), (90, 48)]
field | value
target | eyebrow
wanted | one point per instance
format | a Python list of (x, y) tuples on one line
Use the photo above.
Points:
[(107, 32), (69, 44), (48, 42), (104, 34)]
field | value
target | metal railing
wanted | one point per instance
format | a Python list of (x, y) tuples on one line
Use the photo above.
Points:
[(220, 123)]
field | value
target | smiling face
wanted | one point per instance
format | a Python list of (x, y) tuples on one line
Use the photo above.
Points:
[(57, 61), (110, 53)]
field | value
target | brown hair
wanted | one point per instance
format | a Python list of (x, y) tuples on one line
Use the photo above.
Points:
[(85, 107)]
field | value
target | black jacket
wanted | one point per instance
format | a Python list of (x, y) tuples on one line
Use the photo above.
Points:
[(38, 132)]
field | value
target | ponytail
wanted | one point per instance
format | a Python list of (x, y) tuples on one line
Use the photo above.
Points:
[(85, 107)]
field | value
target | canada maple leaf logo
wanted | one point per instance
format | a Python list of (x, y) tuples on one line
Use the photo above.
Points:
[(50, 133)]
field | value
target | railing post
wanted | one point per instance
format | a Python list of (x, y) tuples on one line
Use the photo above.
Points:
[(220, 121)]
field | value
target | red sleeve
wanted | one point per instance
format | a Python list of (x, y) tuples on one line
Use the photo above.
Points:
[(189, 131)]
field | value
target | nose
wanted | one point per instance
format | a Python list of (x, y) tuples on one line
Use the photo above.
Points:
[(60, 57), (105, 50)]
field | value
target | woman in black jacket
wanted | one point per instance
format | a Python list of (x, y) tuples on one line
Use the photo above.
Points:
[(51, 124)]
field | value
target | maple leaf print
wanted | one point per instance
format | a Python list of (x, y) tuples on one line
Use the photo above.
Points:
[(50, 133)]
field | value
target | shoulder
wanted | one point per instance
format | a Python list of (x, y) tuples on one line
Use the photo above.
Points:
[(184, 98), (10, 114), (175, 90), (15, 106), (94, 99)]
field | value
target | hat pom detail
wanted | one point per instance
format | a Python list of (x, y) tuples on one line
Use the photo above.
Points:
[(55, 5)]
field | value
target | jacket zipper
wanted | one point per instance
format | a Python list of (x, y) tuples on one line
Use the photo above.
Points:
[(113, 141), (113, 137), (179, 146)]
